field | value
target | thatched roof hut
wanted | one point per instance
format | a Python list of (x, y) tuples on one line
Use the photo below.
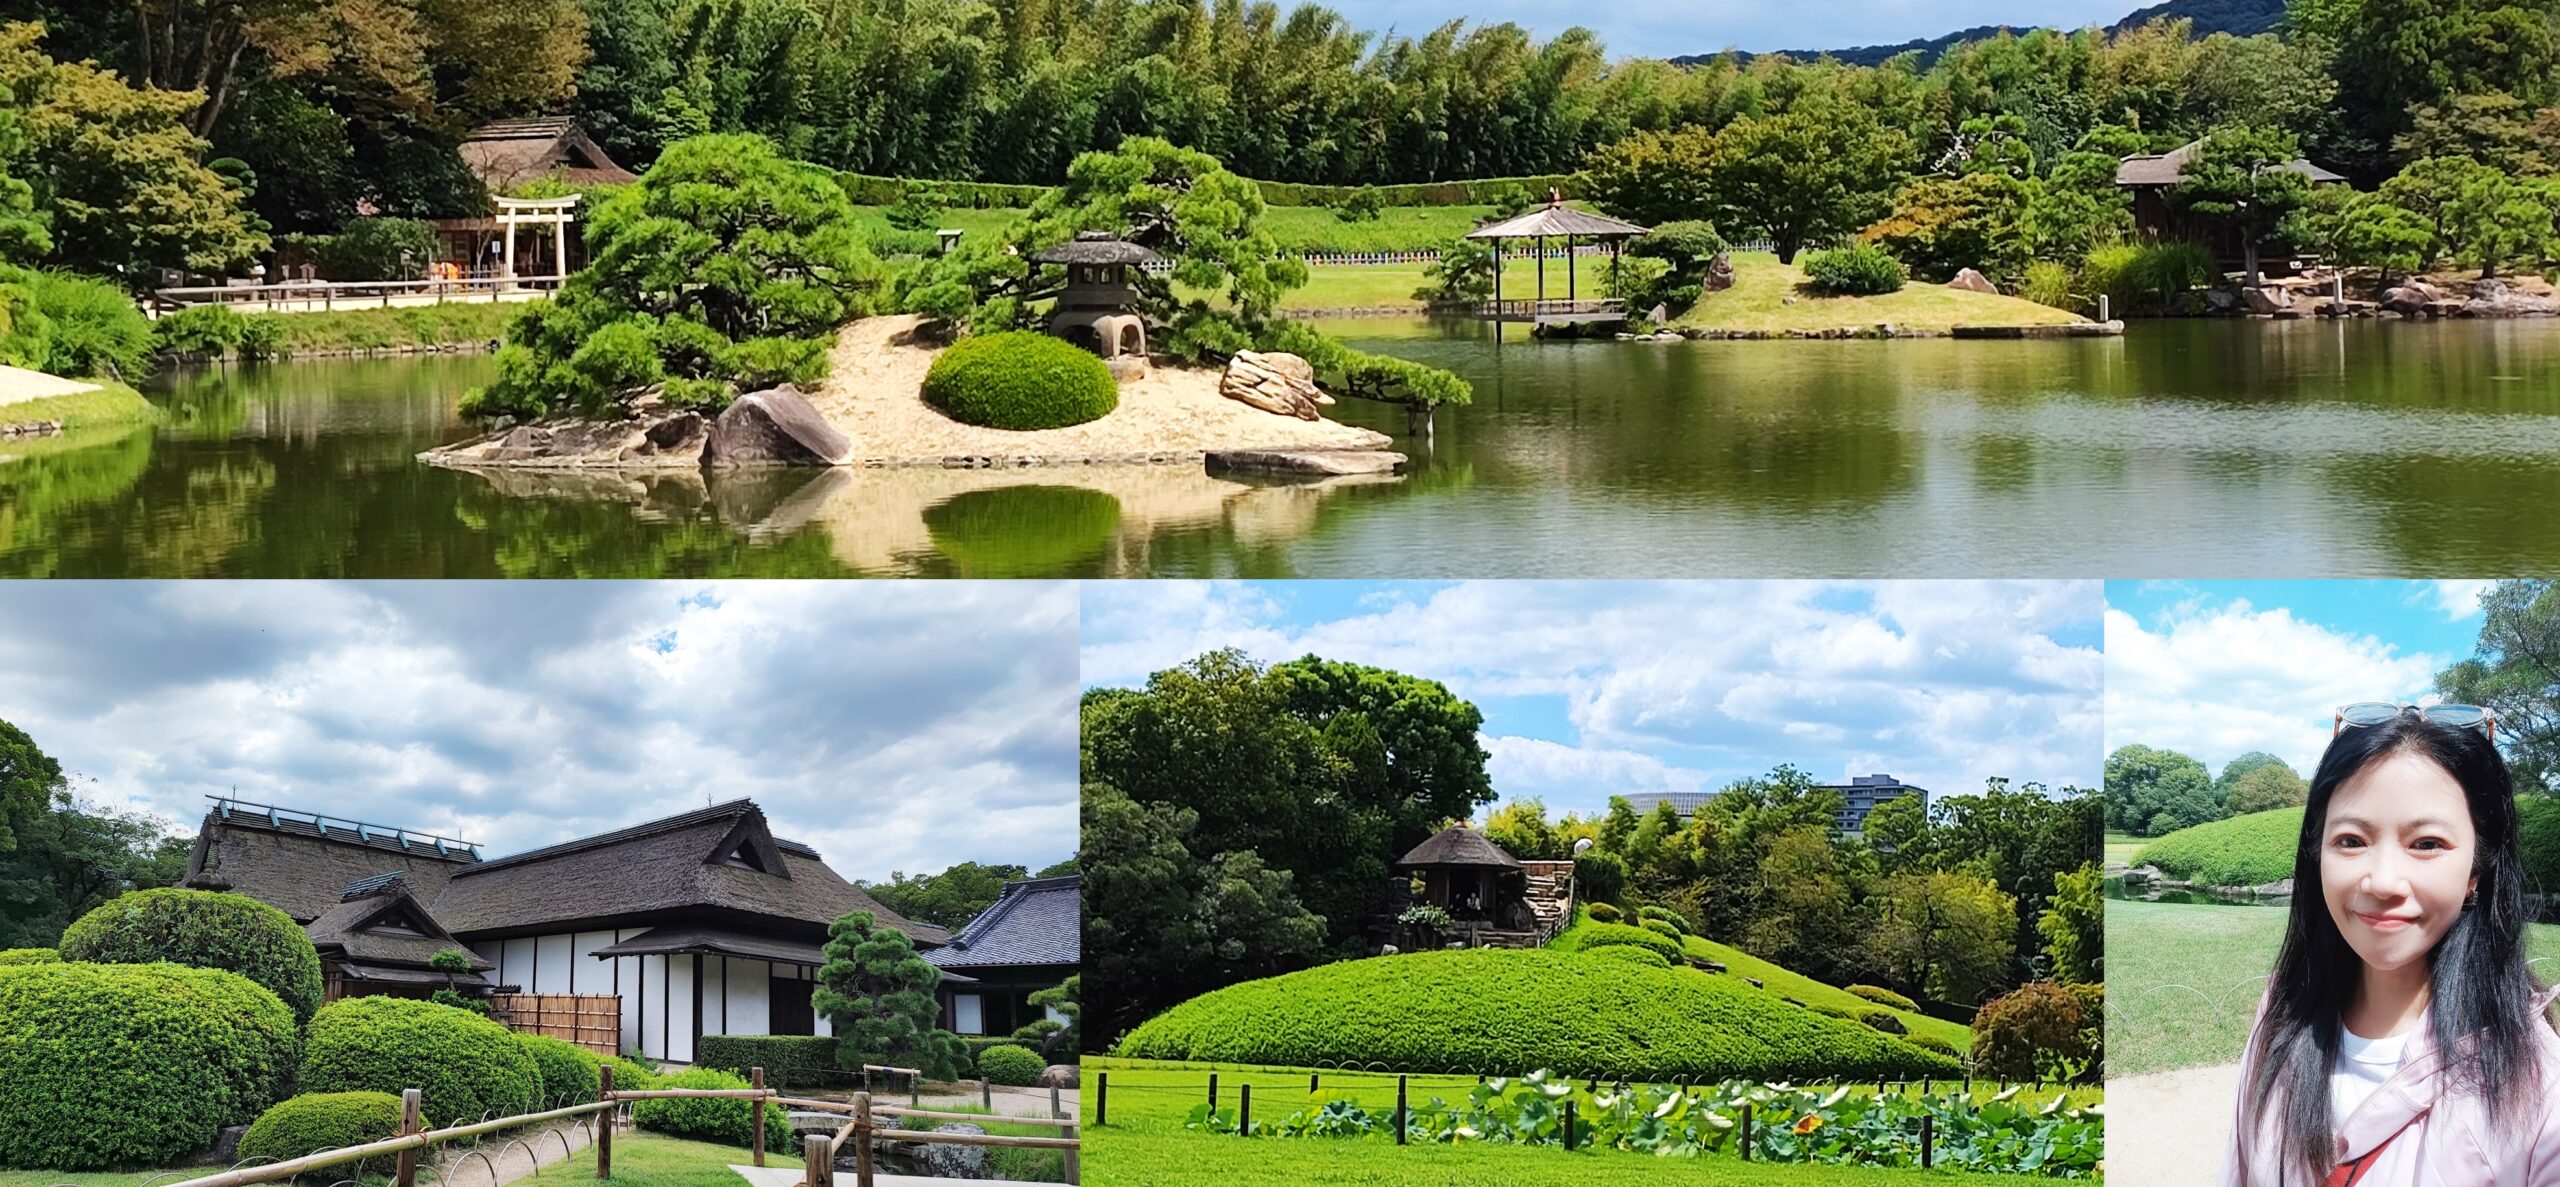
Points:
[(1457, 847)]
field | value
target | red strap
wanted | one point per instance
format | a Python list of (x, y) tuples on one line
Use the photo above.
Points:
[(2349, 1174)]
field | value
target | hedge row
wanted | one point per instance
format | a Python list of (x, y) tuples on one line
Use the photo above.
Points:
[(133, 1065), (466, 1067), (1591, 933), (1501, 1011), (567, 1070), (865, 189), (789, 1061), (14, 956), (710, 1119)]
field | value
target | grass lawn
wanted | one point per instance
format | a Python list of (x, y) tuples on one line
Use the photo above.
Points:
[(1381, 286), (110, 403), (974, 223), (1397, 228), (2183, 980), (654, 1160), (2122, 846), (1757, 302), (452, 324), (1145, 1144), (113, 1178)]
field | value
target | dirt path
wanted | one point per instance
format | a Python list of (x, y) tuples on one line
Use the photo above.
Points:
[(2170, 1128), (18, 385), (498, 1163)]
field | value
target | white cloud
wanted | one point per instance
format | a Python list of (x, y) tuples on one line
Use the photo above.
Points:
[(2219, 681), (2458, 600), (892, 726), (1941, 683)]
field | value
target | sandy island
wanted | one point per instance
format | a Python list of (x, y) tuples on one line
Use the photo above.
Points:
[(873, 394), (19, 385)]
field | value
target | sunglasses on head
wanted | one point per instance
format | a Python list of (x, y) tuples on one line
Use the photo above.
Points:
[(2372, 713)]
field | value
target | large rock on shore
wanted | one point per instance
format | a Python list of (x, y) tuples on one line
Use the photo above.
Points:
[(2499, 298), (1275, 382), (648, 436), (1973, 282), (776, 427)]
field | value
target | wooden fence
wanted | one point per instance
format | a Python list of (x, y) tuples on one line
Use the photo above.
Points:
[(859, 1132), (591, 1020)]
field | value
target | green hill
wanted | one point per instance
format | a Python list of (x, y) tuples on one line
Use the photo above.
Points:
[(1788, 983), (2250, 850), (1506, 1012)]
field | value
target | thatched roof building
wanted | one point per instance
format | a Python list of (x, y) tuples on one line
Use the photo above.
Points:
[(378, 939), (510, 153), (1457, 847)]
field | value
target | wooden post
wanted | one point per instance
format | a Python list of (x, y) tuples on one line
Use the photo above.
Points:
[(1102, 1100), (755, 1080), (604, 1123), (1244, 1113), (915, 1090), (1311, 1083), (817, 1160), (1400, 1113), (406, 1173), (1053, 1102), (1746, 1131), (1497, 292), (1568, 1125), (1074, 1175), (1213, 1092), (986, 1092), (1928, 1138), (862, 1139), (1570, 293)]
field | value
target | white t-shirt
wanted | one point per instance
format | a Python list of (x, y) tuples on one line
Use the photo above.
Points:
[(2363, 1064)]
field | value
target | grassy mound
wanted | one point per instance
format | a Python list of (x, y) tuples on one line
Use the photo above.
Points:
[(1785, 983), (2249, 850), (1504, 1012), (1759, 302), (1020, 380)]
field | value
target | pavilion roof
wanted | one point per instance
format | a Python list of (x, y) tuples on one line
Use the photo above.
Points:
[(1556, 220), (1458, 845)]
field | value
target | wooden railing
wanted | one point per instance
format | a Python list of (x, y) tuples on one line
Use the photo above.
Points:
[(1532, 307), (820, 1150), (355, 294)]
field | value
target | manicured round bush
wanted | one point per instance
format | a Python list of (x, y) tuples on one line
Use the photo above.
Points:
[(14, 956), (709, 1119), (1020, 379), (1601, 935), (1018, 1067), (1665, 916), (1884, 997), (1642, 956), (105, 1065), (629, 1073), (2036, 1030), (204, 930), (1023, 531), (1663, 928), (1605, 913), (1502, 1011), (466, 1066), (317, 1121), (568, 1070), (1864, 270)]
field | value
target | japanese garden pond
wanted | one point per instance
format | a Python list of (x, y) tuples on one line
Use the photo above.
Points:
[(2199, 449)]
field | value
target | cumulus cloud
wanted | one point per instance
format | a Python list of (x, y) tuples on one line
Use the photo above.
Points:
[(2219, 680), (2458, 600), (892, 726), (1940, 683)]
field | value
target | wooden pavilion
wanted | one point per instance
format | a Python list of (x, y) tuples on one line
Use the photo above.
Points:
[(1554, 221), (1461, 872)]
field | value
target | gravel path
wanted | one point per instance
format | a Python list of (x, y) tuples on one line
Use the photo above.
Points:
[(18, 385), (2194, 1104)]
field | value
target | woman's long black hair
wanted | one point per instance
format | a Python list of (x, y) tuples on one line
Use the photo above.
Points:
[(2481, 997)]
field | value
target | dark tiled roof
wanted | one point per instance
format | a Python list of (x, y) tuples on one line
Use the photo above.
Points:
[(1038, 921), (662, 865), (1458, 845), (407, 976), (1555, 221)]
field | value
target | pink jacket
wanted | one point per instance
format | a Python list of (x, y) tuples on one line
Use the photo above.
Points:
[(2436, 1139)]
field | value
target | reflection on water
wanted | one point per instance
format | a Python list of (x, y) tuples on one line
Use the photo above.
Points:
[(2153, 892), (2190, 449)]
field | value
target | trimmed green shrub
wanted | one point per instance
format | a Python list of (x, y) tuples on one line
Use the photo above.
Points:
[(466, 1066), (1591, 935), (1864, 270), (789, 1061), (28, 956), (1499, 1011), (2250, 850), (568, 1071), (1884, 997), (133, 1065), (206, 930), (1363, 204), (2537, 830), (1667, 916), (1604, 913), (632, 1073), (317, 1121), (709, 1119), (1884, 1021), (1015, 1066), (1020, 379), (1643, 956), (1933, 1043), (1662, 928)]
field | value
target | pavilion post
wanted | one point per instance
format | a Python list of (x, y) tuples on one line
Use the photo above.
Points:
[(560, 259), (507, 227), (1542, 278), (1570, 293), (1497, 292)]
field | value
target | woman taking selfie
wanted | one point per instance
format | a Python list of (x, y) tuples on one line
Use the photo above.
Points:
[(2402, 1040)]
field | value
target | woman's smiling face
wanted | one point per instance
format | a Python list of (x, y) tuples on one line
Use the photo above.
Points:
[(2396, 857)]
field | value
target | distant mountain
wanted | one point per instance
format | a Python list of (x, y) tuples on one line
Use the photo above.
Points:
[(2238, 17)]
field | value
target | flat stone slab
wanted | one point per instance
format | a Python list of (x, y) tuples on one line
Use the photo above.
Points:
[(1314, 463)]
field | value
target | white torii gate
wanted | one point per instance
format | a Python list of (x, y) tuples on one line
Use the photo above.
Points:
[(514, 213)]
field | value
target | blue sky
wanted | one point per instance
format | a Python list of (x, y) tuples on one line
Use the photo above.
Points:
[(2216, 669), (1706, 26), (894, 726), (1591, 689)]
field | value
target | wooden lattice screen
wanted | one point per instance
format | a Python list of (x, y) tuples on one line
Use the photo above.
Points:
[(591, 1020)]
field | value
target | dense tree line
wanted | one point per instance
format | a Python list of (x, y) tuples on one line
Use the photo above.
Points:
[(60, 857), (956, 895)]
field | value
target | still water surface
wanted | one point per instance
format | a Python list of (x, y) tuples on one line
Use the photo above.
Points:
[(2188, 449)]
